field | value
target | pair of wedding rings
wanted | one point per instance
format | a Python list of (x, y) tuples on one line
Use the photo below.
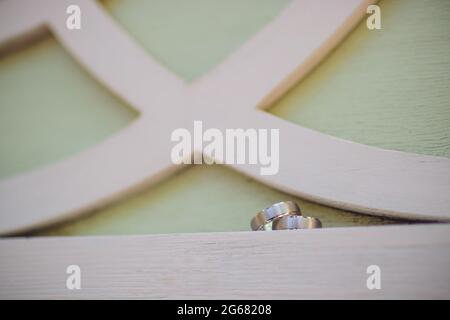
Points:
[(284, 215)]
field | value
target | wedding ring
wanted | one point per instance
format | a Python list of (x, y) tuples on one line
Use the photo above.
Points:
[(263, 218), (292, 222)]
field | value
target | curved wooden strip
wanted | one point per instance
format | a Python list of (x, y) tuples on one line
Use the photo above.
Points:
[(93, 178), (138, 79), (281, 54), (120, 164), (115, 60), (352, 176), (389, 183)]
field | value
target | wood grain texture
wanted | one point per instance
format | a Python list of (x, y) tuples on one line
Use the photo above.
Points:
[(321, 263), (130, 166), (387, 88), (71, 105), (325, 100)]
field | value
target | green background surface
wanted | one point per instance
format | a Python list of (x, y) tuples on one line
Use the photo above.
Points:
[(387, 88)]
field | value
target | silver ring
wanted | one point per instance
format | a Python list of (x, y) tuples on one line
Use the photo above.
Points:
[(262, 218), (292, 222)]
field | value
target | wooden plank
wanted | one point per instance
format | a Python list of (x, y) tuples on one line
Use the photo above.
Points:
[(321, 263)]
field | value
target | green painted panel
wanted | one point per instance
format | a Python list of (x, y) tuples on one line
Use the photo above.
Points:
[(202, 198), (50, 108), (191, 37), (387, 88), (339, 97)]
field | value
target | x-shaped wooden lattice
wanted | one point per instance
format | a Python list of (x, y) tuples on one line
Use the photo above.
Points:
[(314, 166)]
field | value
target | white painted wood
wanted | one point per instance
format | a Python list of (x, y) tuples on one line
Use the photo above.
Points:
[(318, 167), (321, 263), (271, 62), (16, 21), (353, 176)]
